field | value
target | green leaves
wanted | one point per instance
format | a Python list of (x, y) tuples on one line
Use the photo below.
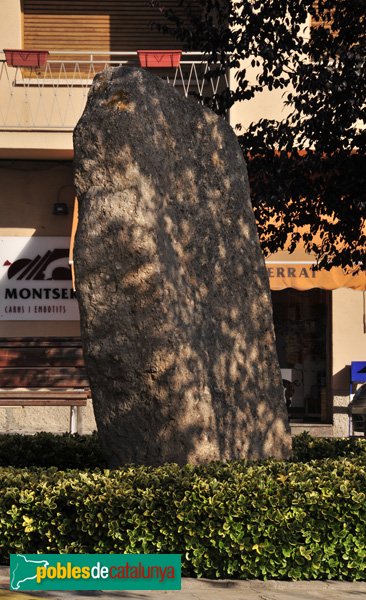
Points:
[(271, 520), (295, 520), (46, 449), (306, 448)]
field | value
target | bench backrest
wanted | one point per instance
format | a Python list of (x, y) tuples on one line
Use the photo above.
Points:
[(42, 362)]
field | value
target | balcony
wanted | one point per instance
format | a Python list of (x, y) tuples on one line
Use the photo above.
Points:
[(52, 97)]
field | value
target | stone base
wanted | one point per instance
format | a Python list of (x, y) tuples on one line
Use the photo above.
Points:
[(53, 419), (340, 415), (315, 429)]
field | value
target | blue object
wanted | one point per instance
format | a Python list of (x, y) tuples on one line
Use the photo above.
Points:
[(358, 372), (358, 375)]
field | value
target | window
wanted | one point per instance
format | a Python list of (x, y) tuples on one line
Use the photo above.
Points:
[(302, 326)]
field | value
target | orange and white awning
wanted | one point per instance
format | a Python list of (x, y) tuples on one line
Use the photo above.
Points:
[(295, 271), (75, 218)]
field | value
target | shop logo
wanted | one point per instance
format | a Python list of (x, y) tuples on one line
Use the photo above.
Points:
[(49, 267)]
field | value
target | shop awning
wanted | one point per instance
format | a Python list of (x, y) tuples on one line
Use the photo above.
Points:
[(72, 241), (294, 270)]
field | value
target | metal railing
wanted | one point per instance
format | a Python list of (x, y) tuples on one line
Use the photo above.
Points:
[(52, 98)]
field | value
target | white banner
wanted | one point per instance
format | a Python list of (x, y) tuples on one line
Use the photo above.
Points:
[(35, 280)]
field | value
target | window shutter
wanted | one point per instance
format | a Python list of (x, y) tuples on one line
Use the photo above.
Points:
[(111, 25)]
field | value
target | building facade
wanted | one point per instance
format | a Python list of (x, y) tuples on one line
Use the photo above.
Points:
[(320, 319)]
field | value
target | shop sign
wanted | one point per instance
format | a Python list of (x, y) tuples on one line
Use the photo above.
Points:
[(35, 280), (291, 271)]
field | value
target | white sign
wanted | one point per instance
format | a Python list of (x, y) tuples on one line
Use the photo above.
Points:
[(35, 280)]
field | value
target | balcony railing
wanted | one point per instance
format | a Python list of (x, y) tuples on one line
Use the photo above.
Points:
[(53, 97)]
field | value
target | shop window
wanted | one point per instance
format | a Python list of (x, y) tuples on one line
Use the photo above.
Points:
[(302, 326)]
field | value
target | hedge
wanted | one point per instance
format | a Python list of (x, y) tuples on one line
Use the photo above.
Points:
[(277, 520), (73, 451), (306, 448), (66, 451)]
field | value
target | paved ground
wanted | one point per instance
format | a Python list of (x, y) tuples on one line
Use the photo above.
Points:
[(193, 589)]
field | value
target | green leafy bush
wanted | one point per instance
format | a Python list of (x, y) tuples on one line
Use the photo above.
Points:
[(306, 447), (67, 451), (277, 520), (73, 451)]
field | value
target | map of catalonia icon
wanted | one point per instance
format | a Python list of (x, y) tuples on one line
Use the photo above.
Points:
[(24, 570)]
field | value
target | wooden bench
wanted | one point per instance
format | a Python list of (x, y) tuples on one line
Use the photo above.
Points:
[(43, 372)]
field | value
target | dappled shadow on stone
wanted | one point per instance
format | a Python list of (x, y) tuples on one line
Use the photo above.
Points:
[(174, 296)]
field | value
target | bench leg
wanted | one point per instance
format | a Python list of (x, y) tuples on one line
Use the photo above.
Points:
[(73, 419)]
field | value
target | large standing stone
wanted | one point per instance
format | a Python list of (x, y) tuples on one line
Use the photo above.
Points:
[(174, 299)]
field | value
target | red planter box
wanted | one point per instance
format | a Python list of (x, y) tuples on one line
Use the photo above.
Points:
[(159, 58), (26, 58)]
